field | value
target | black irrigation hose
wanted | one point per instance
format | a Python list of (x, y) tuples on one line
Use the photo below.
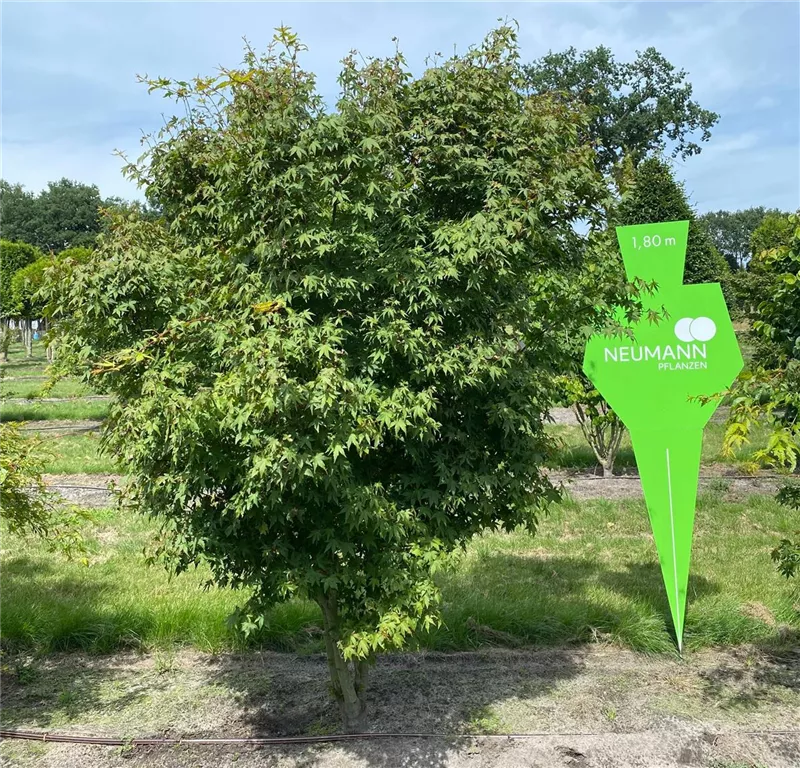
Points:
[(67, 428), (283, 740)]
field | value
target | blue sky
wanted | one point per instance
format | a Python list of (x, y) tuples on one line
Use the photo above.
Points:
[(70, 96)]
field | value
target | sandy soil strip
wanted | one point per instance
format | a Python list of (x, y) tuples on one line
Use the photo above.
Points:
[(591, 707)]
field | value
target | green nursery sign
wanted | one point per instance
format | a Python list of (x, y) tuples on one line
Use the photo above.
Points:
[(648, 379)]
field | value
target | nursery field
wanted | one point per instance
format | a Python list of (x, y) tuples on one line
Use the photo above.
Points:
[(577, 609), (590, 572)]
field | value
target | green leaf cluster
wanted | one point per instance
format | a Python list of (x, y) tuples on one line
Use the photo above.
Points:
[(787, 554), (770, 388), (334, 355), (13, 257), (27, 506)]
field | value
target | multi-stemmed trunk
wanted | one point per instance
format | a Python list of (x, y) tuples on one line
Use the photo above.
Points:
[(348, 678), (603, 431)]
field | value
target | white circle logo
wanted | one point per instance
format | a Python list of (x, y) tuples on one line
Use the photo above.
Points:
[(695, 329)]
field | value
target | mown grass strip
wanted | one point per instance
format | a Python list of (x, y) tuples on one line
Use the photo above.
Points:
[(591, 573)]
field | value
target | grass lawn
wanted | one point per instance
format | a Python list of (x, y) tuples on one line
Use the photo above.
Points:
[(591, 572), (18, 361), (575, 452), (75, 454), (69, 409), (32, 388), (12, 386)]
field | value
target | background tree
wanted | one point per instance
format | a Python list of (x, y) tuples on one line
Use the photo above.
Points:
[(67, 215), (768, 391), (746, 289), (17, 213), (731, 231), (28, 304), (13, 257), (774, 231), (334, 367), (599, 424), (637, 108), (57, 269), (654, 196)]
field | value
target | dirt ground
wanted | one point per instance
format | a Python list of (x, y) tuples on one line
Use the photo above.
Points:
[(86, 490), (584, 707)]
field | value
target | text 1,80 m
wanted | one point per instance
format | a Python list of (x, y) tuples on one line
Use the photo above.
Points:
[(652, 241)]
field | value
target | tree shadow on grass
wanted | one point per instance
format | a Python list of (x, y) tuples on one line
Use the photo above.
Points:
[(513, 599), (47, 618)]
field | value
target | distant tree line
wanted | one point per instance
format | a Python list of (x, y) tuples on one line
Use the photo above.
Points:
[(65, 215), (60, 225)]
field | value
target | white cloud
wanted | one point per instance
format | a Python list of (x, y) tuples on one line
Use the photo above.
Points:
[(766, 102), (729, 144), (70, 96)]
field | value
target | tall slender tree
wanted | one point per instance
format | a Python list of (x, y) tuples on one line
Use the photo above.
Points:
[(655, 195)]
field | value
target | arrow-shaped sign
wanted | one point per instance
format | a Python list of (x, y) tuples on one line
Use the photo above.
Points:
[(649, 379)]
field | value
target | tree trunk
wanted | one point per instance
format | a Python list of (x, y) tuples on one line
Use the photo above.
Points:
[(348, 679), (5, 340), (50, 350), (28, 333)]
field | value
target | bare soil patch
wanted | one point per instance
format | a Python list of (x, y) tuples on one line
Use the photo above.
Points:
[(55, 427), (85, 490), (587, 706), (88, 490)]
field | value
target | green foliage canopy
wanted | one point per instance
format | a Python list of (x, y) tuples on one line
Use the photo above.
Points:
[(637, 107), (13, 257), (770, 388), (774, 231), (731, 232), (65, 215), (787, 554), (17, 213), (25, 286), (27, 505), (334, 365), (654, 196)]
